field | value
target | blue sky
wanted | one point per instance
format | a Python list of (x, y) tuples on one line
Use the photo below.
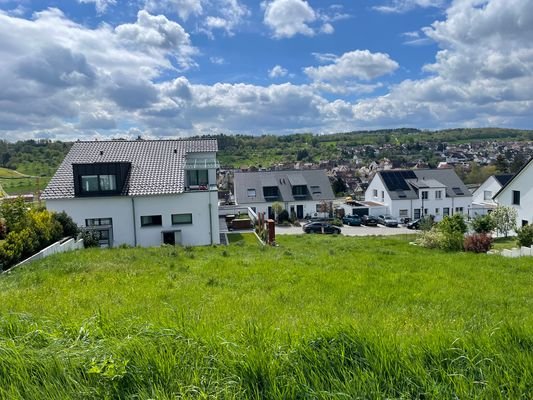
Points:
[(174, 68)]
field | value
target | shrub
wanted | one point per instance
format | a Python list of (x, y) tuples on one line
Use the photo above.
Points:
[(483, 224), (454, 224), (283, 216), (69, 226), (524, 236), (89, 238), (430, 239), (336, 222), (427, 222), (478, 243)]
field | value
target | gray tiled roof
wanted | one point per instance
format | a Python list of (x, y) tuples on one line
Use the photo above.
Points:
[(282, 180), (157, 166)]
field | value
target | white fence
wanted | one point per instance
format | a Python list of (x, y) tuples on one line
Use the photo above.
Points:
[(61, 246)]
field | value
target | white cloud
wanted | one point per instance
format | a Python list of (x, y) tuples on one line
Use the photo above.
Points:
[(232, 14), (287, 18), (101, 5), (277, 72), (184, 8), (157, 33), (358, 64), (401, 6), (217, 60), (327, 28)]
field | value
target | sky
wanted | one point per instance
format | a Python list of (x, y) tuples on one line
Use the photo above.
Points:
[(97, 69)]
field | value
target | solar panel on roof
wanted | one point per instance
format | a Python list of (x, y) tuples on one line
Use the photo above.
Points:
[(457, 191), (395, 180)]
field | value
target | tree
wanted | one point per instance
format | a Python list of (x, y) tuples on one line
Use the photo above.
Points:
[(501, 164), (483, 224), (338, 186), (277, 207), (504, 218)]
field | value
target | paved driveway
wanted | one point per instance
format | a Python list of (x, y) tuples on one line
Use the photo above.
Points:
[(350, 230)]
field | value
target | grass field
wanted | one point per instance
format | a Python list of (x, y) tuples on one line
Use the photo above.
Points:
[(317, 317), (242, 238), (14, 182)]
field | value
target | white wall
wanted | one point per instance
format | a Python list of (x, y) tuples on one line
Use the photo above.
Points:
[(308, 206), (492, 185), (431, 204), (523, 183), (121, 209)]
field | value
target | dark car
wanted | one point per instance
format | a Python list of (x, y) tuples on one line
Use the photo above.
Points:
[(413, 224), (321, 227), (388, 220), (369, 220), (352, 220)]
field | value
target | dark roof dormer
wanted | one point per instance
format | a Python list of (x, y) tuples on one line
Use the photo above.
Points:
[(100, 179)]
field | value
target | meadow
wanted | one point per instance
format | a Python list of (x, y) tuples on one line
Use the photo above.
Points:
[(316, 317)]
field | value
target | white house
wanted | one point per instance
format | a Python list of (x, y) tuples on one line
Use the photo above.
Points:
[(416, 193), (302, 192), (482, 201), (518, 193), (141, 192)]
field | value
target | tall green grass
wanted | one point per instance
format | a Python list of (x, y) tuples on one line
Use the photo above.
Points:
[(316, 317)]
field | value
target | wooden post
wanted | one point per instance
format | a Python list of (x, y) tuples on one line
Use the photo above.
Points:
[(271, 231)]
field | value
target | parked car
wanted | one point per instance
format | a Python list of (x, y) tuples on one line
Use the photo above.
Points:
[(321, 227), (369, 220), (415, 224), (388, 220), (352, 220)]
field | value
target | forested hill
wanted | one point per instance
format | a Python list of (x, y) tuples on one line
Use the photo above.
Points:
[(33, 157), (42, 157)]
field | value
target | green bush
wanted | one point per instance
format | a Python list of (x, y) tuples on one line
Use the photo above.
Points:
[(427, 222), (454, 224), (524, 236), (483, 224), (89, 238), (336, 222), (283, 216), (69, 226)]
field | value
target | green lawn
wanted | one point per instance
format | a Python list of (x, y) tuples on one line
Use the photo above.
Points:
[(504, 243), (317, 317), (243, 238)]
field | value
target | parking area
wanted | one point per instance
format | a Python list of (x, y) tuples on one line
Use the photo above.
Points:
[(351, 230)]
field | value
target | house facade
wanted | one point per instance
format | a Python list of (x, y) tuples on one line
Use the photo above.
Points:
[(416, 193), (140, 193), (302, 192), (518, 193), (482, 198)]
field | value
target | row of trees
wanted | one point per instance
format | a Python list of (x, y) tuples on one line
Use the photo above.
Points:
[(25, 230)]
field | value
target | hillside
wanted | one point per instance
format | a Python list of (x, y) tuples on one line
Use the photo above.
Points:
[(316, 317)]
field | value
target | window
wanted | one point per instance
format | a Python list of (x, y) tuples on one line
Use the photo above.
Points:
[(437, 211), (516, 197), (151, 220), (98, 221), (424, 195), (417, 213), (316, 190), (425, 211), (438, 194), (197, 177), (180, 219), (375, 193), (251, 192), (404, 213), (107, 182), (98, 183), (270, 192), (446, 211), (487, 195), (382, 195), (459, 210), (299, 191)]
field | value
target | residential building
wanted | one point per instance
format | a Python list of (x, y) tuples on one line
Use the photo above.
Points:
[(518, 193), (302, 192), (141, 192), (482, 198), (416, 193)]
